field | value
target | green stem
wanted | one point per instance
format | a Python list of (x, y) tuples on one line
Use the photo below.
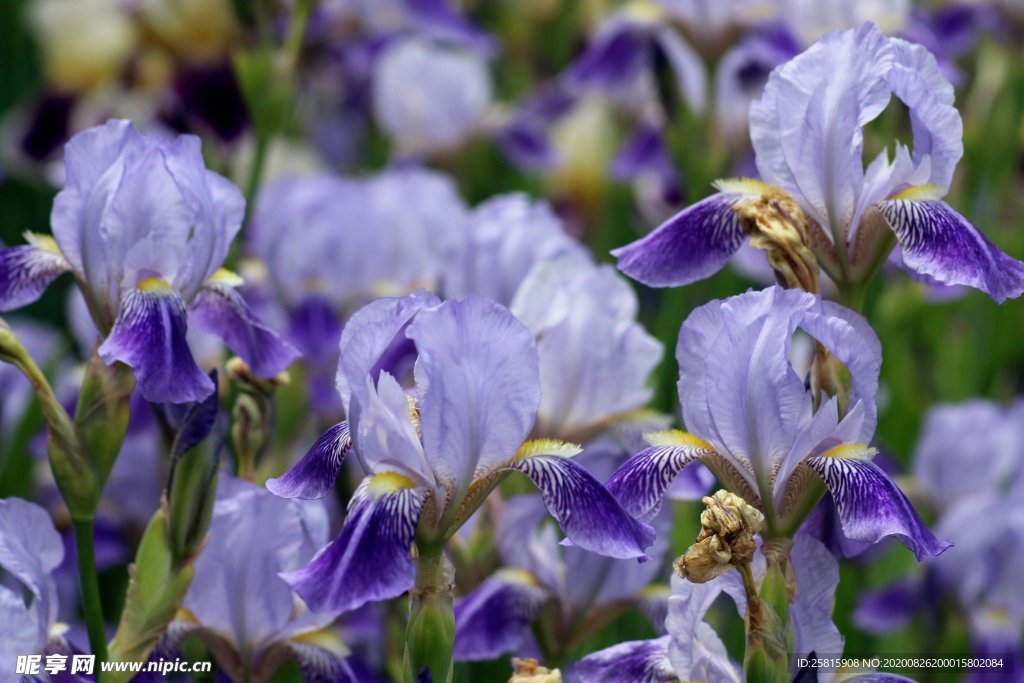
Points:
[(85, 552), (430, 638)]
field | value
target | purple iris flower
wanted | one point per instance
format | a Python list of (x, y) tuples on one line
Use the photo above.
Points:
[(434, 452), (693, 651), (144, 227), (807, 132), (244, 612), (968, 465), (755, 423), (30, 551)]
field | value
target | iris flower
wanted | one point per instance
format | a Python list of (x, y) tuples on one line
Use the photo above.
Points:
[(144, 228), (765, 434), (693, 651), (807, 133), (434, 452)]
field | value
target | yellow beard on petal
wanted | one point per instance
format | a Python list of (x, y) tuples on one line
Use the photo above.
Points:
[(389, 482), (851, 450), (536, 447), (920, 192), (154, 284), (676, 437)]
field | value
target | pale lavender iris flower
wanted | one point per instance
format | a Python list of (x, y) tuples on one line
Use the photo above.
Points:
[(30, 551), (244, 612), (429, 98), (807, 132), (435, 450), (692, 650), (755, 423), (968, 465), (145, 227)]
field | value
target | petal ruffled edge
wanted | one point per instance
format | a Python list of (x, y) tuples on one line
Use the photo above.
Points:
[(27, 270), (870, 506), (939, 242), (149, 336), (314, 475)]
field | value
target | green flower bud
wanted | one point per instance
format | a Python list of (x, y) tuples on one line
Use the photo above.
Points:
[(430, 639)]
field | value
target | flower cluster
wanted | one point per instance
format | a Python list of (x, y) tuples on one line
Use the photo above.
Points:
[(360, 372)]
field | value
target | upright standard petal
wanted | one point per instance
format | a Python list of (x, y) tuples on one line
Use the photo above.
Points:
[(871, 507), (635, 661), (690, 246), (478, 386), (371, 557), (939, 242), (588, 514), (26, 271), (641, 483), (371, 332), (315, 474), (149, 336), (219, 309), (494, 618), (30, 550), (807, 127)]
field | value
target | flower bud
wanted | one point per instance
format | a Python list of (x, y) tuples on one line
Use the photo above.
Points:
[(430, 640)]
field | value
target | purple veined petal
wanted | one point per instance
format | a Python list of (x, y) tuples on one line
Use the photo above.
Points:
[(370, 559), (636, 661), (817, 578), (494, 618), (149, 336), (219, 309), (367, 337), (938, 241), (692, 245), (321, 665), (478, 386), (27, 270), (889, 608), (871, 507), (314, 475), (613, 57), (441, 20), (641, 483), (588, 514)]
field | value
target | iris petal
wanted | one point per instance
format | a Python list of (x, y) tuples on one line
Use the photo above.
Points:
[(25, 273), (494, 618), (220, 309), (149, 336), (588, 514), (871, 507), (938, 241), (690, 246), (315, 474), (640, 484), (370, 559)]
